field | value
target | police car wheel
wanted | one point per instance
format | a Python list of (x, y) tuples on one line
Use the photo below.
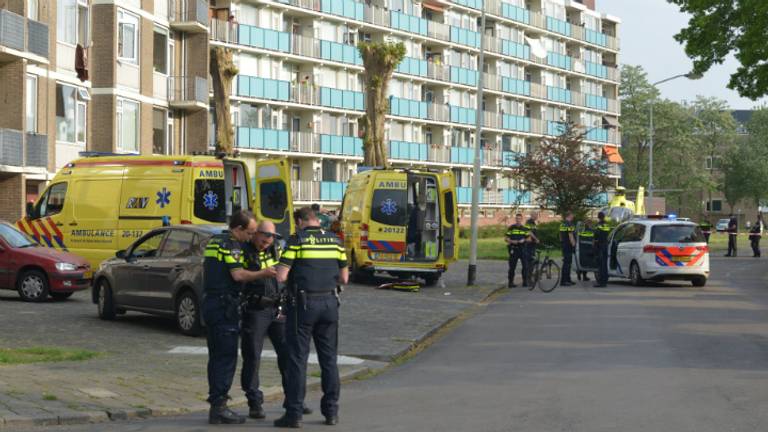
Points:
[(188, 314), (699, 281), (635, 275), (33, 286), (105, 301)]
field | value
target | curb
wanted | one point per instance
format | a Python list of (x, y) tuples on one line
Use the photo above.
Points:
[(13, 422)]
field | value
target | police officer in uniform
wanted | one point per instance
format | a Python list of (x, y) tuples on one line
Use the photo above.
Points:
[(755, 233), (733, 232), (532, 241), (568, 246), (586, 246), (706, 229), (313, 264), (602, 230), (262, 315), (516, 237), (223, 274)]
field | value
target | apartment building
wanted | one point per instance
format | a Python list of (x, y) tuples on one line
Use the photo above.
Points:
[(299, 91), (131, 76)]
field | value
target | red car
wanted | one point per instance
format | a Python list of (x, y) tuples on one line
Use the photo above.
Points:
[(37, 272)]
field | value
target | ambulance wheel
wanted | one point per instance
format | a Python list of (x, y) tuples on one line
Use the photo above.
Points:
[(431, 279), (699, 281), (105, 301), (635, 276), (359, 275), (33, 286), (188, 314)]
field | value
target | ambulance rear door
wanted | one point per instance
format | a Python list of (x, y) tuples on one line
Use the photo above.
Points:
[(272, 199), (450, 219)]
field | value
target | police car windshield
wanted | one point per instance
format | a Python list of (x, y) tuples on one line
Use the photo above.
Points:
[(210, 198), (14, 237), (676, 234), (389, 206)]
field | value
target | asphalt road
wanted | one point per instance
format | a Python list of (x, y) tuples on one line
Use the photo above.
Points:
[(660, 358)]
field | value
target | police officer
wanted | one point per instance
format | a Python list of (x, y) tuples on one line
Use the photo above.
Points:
[(516, 237), (533, 239), (733, 232), (586, 249), (706, 229), (223, 274), (602, 230), (262, 316), (313, 264), (755, 233), (568, 246)]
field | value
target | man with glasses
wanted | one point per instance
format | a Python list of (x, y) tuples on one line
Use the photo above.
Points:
[(262, 315), (223, 274)]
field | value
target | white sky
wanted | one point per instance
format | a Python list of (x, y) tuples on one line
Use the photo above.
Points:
[(646, 32)]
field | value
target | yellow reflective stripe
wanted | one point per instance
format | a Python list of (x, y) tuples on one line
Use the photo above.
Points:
[(312, 254), (211, 253), (290, 254), (320, 246), (229, 260), (343, 256)]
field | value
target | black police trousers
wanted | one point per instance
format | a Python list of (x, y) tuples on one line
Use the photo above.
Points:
[(565, 275), (518, 253), (731, 245), (222, 323), (602, 265), (318, 320), (755, 243), (257, 324)]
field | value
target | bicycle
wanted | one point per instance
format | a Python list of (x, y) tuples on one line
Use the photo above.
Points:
[(544, 272)]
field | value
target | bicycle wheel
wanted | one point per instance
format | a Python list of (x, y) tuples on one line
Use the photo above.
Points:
[(534, 276), (549, 276)]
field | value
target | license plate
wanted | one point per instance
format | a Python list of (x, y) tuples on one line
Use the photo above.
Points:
[(683, 258), (381, 256), (88, 274)]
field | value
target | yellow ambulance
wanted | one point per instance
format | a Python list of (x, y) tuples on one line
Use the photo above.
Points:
[(401, 222), (99, 204)]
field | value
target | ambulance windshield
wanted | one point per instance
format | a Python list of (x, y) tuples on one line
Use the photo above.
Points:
[(210, 200)]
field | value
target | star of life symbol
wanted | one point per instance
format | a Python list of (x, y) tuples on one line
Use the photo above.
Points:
[(389, 207), (163, 198), (210, 200)]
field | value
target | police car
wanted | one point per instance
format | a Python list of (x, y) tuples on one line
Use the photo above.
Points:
[(656, 249)]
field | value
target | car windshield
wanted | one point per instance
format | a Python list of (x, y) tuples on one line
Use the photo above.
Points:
[(676, 234), (15, 238)]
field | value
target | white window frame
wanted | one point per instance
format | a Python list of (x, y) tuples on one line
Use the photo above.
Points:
[(31, 103), (84, 105), (128, 19), (121, 147), (81, 98), (168, 59)]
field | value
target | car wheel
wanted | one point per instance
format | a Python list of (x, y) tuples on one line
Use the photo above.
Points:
[(188, 314), (33, 286), (635, 276), (105, 301), (699, 281), (61, 295)]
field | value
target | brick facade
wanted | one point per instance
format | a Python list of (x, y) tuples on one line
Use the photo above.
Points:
[(12, 196)]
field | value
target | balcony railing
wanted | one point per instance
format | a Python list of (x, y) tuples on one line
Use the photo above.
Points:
[(25, 37), (189, 15), (188, 92), (21, 149), (312, 191)]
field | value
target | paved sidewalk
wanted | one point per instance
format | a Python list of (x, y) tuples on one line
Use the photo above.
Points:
[(137, 376)]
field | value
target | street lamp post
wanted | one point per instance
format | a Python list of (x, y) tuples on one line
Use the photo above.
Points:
[(472, 270), (690, 76)]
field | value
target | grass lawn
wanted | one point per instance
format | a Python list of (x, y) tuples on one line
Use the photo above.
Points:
[(43, 354), (492, 248)]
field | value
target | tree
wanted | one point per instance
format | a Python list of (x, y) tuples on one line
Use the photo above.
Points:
[(636, 94), (735, 181), (380, 60), (223, 71), (718, 28), (744, 166), (564, 175)]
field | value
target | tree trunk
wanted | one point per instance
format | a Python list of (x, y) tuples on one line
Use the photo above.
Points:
[(223, 71)]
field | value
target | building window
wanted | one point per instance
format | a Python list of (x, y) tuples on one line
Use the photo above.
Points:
[(160, 51), (31, 105), (127, 126), (329, 170), (127, 37), (71, 21), (65, 113), (715, 206), (159, 132), (81, 122), (32, 9)]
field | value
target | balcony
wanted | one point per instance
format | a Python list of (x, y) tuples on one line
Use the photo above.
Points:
[(22, 38), (189, 16), (494, 197), (314, 191), (20, 151), (188, 93)]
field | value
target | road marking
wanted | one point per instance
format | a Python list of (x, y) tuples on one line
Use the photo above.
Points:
[(342, 360)]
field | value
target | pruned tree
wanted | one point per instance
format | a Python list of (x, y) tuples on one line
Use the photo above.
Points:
[(223, 71), (380, 60), (563, 175)]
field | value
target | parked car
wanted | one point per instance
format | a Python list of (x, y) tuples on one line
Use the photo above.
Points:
[(161, 273), (38, 272), (722, 225)]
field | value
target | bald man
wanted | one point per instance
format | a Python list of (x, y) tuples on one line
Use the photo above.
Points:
[(261, 314)]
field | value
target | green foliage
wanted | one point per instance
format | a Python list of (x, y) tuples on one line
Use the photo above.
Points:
[(43, 354), (549, 234), (563, 174), (718, 28), (745, 165)]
